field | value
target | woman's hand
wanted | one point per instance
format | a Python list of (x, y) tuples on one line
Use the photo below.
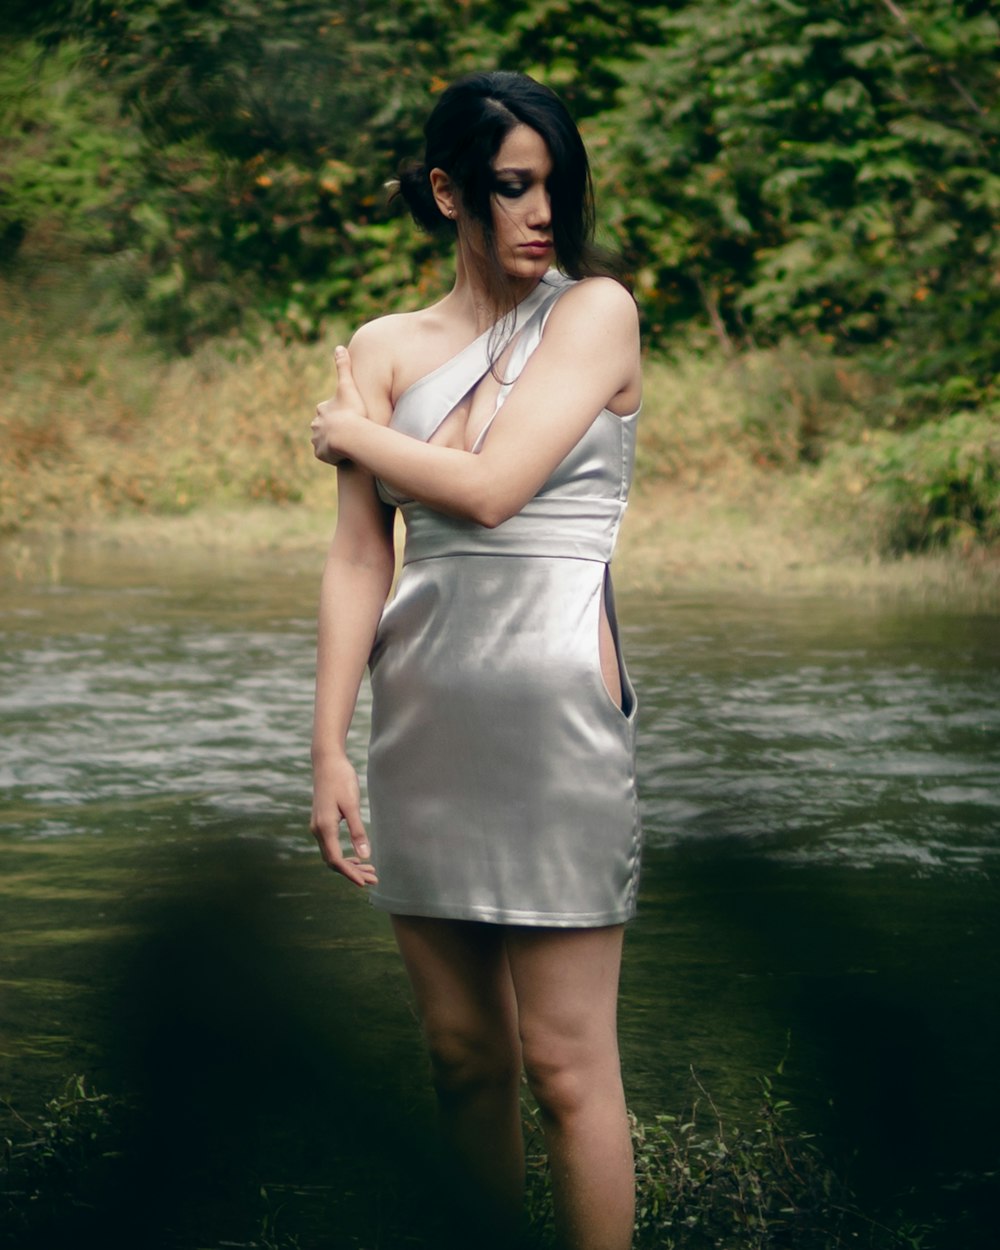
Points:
[(331, 426), (336, 798)]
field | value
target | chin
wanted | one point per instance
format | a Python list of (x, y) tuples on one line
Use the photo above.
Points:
[(530, 266)]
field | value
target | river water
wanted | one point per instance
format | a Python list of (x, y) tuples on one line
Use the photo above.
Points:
[(822, 807)]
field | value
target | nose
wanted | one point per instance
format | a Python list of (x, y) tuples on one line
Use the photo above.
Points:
[(539, 208)]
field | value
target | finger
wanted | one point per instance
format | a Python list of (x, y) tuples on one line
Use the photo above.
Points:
[(350, 867), (356, 828), (329, 844), (366, 872), (345, 371), (356, 872)]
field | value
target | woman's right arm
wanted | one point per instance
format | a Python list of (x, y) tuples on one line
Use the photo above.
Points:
[(356, 581)]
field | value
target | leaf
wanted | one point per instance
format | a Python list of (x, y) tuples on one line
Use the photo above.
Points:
[(922, 130), (845, 96)]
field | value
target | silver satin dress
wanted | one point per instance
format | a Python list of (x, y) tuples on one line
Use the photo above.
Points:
[(501, 774)]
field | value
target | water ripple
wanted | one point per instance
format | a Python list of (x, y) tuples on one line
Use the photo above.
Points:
[(814, 739), (856, 754)]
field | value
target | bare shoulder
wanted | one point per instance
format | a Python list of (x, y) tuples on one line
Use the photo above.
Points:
[(394, 348), (594, 329), (376, 338), (393, 331), (378, 350), (601, 305), (595, 311), (600, 299), (406, 346)]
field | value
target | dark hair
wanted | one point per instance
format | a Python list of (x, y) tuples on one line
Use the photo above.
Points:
[(464, 133)]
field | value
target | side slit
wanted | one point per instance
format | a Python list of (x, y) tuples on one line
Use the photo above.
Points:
[(607, 617)]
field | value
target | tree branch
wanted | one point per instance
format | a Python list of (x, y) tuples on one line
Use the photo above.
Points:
[(904, 21)]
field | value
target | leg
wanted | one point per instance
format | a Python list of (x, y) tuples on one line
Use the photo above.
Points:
[(465, 1000), (566, 982)]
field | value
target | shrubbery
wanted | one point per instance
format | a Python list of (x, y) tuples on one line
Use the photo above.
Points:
[(760, 1185), (931, 487), (768, 166), (771, 171)]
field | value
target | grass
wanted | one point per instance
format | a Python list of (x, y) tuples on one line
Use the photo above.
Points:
[(776, 469), (96, 425), (767, 471), (55, 1166), (760, 1185), (706, 1182)]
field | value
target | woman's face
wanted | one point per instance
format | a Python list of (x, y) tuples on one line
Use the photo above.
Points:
[(522, 210)]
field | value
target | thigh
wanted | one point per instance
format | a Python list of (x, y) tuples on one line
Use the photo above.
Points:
[(566, 983), (461, 979)]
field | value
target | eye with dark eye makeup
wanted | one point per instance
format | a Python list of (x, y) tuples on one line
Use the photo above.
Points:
[(508, 189)]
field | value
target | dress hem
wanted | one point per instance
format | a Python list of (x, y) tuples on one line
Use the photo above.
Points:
[(497, 915)]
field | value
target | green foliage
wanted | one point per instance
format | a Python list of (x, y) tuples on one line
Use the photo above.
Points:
[(54, 1178), (932, 487), (942, 482), (272, 1235), (795, 403), (761, 1186), (578, 47), (50, 1174), (764, 1185), (768, 167), (67, 157), (269, 131), (818, 168)]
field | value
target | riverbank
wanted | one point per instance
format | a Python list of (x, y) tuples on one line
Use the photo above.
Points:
[(779, 470), (681, 540)]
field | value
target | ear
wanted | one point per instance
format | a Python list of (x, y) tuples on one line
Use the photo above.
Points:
[(445, 195)]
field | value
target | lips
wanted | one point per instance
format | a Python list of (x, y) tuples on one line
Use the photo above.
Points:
[(539, 246)]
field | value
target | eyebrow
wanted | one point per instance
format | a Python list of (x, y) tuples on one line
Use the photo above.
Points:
[(510, 169)]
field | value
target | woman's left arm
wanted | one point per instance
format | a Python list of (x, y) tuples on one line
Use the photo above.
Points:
[(589, 354)]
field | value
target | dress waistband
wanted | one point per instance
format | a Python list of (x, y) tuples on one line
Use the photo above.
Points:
[(560, 527)]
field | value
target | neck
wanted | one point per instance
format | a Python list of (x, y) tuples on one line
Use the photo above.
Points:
[(470, 297)]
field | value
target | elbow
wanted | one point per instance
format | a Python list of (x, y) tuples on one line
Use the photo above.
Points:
[(489, 513), (486, 501)]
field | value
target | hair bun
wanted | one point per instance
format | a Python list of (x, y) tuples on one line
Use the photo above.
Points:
[(414, 185)]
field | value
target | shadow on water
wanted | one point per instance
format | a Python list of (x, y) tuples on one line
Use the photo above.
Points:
[(886, 1020), (254, 1090)]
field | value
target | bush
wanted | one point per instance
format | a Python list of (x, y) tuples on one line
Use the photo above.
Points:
[(52, 1176), (768, 168), (68, 159), (933, 487), (761, 1186), (783, 168)]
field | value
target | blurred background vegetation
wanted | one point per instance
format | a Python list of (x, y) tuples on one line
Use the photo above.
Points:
[(805, 197)]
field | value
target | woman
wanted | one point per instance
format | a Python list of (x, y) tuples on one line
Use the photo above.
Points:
[(505, 836)]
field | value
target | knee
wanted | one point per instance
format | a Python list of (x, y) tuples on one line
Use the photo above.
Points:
[(464, 1064), (561, 1076), (567, 1074)]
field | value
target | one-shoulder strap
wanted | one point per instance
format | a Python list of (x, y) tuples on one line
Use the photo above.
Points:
[(424, 405), (527, 340)]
